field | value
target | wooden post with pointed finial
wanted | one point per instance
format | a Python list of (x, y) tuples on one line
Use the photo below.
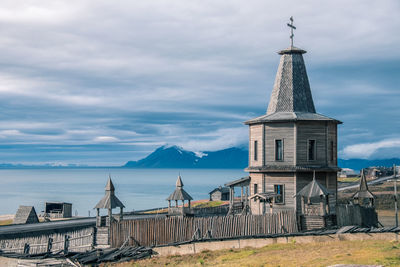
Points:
[(292, 27), (395, 196)]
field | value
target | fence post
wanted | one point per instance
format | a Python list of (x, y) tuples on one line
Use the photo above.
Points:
[(66, 244), (26, 248), (49, 244)]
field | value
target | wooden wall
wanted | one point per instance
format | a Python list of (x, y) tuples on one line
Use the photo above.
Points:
[(163, 231), (256, 134), (255, 178), (284, 131), (81, 239)]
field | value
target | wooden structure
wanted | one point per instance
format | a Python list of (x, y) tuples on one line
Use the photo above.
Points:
[(58, 210), (239, 205), (364, 216), (315, 210), (179, 194), (220, 193), (264, 199), (26, 214), (171, 230), (363, 196), (48, 237), (109, 202), (291, 141)]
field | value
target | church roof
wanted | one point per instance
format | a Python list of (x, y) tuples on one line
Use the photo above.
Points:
[(313, 189), (25, 214), (109, 201), (179, 182), (179, 193), (291, 92), (363, 191), (291, 116), (110, 185), (291, 98)]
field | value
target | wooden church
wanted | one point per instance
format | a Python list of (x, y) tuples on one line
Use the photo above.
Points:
[(291, 144)]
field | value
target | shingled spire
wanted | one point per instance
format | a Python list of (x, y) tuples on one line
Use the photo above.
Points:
[(291, 91)]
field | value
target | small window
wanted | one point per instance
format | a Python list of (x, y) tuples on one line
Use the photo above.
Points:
[(255, 188), (278, 149), (332, 151), (311, 150), (255, 150), (279, 189)]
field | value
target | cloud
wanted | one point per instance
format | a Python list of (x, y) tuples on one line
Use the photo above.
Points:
[(137, 74), (105, 139), (367, 150)]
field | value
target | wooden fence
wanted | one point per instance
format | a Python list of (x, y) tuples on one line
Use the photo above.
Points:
[(356, 215), (163, 231), (77, 240)]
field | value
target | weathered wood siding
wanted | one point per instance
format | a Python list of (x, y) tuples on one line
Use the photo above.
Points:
[(285, 132), (311, 130), (332, 137), (81, 239), (163, 231), (286, 179), (356, 215), (255, 178), (256, 134), (216, 195)]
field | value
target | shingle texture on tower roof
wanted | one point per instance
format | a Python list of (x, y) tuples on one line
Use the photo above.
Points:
[(291, 98), (291, 91)]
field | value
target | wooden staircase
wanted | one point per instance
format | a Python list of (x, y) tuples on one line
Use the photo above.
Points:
[(310, 222)]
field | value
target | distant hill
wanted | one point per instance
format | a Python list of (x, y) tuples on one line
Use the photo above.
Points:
[(230, 158), (358, 164), (177, 157)]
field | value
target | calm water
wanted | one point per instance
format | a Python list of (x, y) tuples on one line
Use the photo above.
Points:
[(136, 188)]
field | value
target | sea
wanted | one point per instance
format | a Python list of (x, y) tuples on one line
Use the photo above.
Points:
[(138, 189)]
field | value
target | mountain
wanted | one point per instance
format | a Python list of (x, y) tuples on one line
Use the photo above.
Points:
[(177, 157), (358, 164), (166, 157), (230, 158)]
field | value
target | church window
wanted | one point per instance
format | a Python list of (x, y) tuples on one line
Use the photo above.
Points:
[(278, 149), (255, 150), (311, 150), (279, 189)]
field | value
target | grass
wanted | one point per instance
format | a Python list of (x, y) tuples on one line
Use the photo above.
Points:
[(209, 204), (348, 179), (368, 252), (6, 222)]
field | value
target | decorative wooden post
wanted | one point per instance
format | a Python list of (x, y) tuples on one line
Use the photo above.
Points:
[(26, 248), (49, 244), (66, 244), (121, 216), (303, 209), (322, 204)]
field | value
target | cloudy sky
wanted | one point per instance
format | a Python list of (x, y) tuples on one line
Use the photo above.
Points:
[(103, 82)]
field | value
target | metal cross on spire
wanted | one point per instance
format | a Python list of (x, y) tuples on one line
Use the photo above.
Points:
[(292, 27)]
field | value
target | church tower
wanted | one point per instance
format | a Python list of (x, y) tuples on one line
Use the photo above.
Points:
[(291, 141)]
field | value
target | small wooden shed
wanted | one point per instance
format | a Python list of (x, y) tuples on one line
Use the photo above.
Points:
[(58, 210), (26, 214), (219, 193)]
